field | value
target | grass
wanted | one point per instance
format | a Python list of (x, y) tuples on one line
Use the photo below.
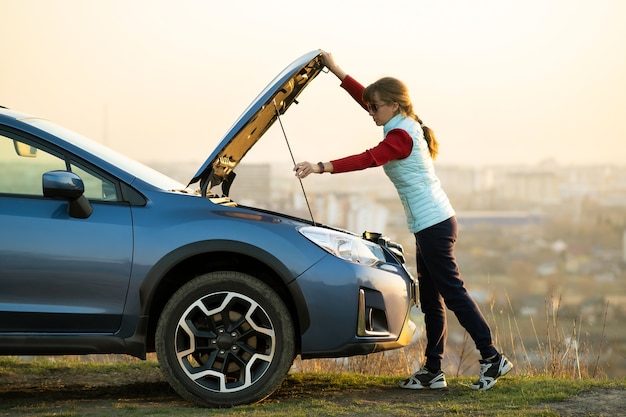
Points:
[(70, 387), (69, 365)]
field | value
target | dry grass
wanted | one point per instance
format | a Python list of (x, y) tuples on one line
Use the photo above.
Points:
[(560, 350)]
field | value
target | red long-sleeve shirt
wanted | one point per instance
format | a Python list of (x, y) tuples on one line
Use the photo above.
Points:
[(396, 145)]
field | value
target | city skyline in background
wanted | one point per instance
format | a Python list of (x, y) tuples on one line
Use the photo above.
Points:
[(499, 82)]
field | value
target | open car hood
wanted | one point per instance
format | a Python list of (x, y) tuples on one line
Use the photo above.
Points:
[(256, 120)]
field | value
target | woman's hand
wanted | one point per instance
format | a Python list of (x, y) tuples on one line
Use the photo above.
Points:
[(329, 62), (303, 169)]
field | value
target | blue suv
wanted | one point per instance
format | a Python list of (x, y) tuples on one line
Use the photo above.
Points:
[(101, 254)]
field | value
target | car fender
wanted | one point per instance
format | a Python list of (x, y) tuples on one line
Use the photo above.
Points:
[(149, 286)]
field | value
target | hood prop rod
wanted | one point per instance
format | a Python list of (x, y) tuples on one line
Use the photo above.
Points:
[(294, 161)]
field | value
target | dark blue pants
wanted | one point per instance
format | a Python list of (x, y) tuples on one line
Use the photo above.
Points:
[(440, 286)]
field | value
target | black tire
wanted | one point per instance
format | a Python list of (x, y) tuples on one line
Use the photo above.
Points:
[(225, 338)]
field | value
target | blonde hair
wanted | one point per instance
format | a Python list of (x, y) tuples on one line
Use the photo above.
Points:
[(390, 90)]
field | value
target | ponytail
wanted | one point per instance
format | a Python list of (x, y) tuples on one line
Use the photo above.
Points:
[(431, 140)]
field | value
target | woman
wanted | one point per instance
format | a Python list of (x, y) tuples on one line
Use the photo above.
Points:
[(406, 155)]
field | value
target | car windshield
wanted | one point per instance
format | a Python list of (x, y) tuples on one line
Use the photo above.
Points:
[(127, 164)]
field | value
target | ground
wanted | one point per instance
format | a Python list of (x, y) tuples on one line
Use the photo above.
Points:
[(147, 388)]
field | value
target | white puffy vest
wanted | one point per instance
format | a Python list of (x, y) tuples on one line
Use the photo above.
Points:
[(425, 203)]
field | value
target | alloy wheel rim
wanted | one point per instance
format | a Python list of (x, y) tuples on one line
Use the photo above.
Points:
[(225, 342)]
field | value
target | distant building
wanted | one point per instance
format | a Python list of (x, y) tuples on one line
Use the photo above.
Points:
[(252, 184), (624, 247), (531, 186)]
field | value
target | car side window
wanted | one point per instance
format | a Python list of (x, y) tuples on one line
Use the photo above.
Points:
[(22, 166), (97, 188)]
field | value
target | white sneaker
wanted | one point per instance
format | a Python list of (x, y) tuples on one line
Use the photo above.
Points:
[(491, 371), (424, 379)]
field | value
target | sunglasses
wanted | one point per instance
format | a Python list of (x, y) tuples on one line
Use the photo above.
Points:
[(374, 107)]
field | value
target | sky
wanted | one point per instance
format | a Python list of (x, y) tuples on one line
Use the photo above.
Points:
[(499, 82)]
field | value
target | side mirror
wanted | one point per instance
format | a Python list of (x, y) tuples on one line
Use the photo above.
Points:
[(68, 186)]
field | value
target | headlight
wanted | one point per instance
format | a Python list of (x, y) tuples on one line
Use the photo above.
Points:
[(345, 246)]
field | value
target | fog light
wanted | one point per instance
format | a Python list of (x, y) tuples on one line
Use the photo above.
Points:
[(372, 316)]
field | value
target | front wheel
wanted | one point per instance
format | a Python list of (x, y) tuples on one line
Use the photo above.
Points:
[(225, 338)]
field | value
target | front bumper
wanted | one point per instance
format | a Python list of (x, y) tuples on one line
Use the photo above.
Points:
[(355, 309)]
